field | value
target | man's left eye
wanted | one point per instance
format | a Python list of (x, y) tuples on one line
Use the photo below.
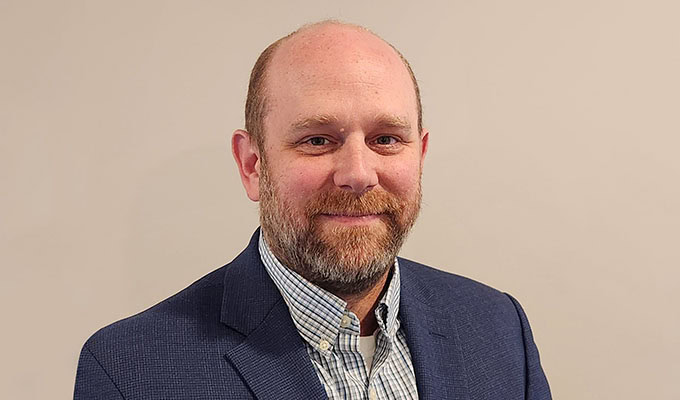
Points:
[(385, 140), (317, 141)]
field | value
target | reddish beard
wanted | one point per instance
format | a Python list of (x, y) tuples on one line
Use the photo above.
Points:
[(343, 259)]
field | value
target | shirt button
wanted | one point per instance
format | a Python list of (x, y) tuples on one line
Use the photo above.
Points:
[(372, 395), (324, 345), (345, 321)]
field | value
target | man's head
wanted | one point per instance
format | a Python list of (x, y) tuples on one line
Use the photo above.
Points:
[(256, 101), (335, 153)]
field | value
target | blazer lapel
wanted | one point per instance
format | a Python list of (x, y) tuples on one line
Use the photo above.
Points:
[(272, 359), (432, 339)]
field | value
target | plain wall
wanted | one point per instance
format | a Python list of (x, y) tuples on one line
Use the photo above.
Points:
[(553, 171)]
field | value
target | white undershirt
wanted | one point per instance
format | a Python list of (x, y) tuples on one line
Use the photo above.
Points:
[(367, 349)]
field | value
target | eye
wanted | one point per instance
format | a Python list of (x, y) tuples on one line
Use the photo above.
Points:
[(386, 140), (317, 141)]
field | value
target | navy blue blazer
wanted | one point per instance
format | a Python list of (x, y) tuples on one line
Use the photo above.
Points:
[(230, 336)]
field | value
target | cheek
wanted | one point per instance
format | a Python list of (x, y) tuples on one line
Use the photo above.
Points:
[(402, 179), (300, 182)]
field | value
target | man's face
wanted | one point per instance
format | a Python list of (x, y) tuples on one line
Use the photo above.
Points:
[(340, 171)]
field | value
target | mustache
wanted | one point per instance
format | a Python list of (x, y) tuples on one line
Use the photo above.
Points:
[(341, 202)]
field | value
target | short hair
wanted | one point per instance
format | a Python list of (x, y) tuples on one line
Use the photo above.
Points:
[(256, 100)]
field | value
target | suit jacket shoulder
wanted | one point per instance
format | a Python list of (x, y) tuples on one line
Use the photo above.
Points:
[(457, 295), (174, 349), (483, 333)]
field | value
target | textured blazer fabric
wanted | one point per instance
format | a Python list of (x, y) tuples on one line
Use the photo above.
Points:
[(230, 336)]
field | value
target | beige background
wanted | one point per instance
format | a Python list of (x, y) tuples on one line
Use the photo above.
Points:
[(553, 170)]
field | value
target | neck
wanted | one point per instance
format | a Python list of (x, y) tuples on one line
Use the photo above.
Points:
[(363, 305)]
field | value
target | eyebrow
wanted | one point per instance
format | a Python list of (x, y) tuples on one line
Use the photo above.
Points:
[(391, 121), (314, 121), (381, 120)]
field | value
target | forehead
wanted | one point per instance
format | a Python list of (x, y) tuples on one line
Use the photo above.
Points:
[(331, 65)]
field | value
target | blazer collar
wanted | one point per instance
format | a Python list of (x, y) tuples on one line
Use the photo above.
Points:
[(432, 337), (272, 359)]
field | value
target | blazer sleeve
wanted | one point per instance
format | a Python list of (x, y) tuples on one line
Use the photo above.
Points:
[(92, 381), (536, 385)]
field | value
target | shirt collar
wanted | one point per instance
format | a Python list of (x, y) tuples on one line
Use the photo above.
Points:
[(318, 314)]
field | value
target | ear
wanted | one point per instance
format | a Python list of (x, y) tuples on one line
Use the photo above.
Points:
[(247, 157), (424, 141)]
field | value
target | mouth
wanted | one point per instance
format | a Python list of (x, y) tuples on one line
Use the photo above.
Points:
[(351, 219)]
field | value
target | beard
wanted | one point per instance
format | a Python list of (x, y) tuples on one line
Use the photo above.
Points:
[(342, 259)]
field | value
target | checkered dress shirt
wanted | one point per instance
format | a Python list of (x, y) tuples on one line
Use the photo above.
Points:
[(331, 335)]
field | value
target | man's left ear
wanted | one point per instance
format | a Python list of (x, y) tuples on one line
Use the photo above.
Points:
[(424, 139), (247, 157)]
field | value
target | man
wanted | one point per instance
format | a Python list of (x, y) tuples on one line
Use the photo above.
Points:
[(318, 305)]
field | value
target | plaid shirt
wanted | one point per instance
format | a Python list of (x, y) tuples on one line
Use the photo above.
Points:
[(331, 335)]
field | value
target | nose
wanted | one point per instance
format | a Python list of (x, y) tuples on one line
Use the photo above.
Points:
[(355, 167)]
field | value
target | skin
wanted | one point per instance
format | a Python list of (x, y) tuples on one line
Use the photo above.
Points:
[(342, 113)]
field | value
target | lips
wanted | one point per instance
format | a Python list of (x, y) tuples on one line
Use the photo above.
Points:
[(351, 219), (350, 215)]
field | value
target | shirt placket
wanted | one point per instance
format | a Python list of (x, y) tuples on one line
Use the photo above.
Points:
[(355, 365)]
